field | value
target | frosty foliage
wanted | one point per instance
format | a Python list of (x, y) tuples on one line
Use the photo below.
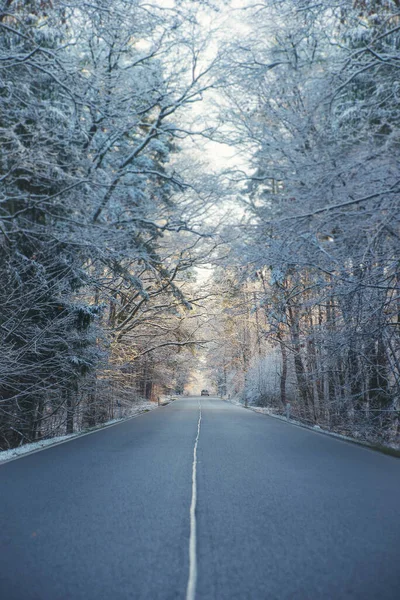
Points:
[(98, 228), (312, 106), (104, 215)]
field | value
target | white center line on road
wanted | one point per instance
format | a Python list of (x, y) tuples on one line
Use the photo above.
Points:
[(191, 586)]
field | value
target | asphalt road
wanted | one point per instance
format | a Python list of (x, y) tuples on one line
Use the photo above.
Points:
[(282, 513)]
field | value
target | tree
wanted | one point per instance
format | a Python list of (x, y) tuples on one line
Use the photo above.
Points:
[(322, 196), (46, 329), (94, 215)]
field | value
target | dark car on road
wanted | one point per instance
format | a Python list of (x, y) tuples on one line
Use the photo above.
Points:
[(205, 393)]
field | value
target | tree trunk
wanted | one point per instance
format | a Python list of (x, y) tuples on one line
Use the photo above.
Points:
[(70, 412), (283, 377)]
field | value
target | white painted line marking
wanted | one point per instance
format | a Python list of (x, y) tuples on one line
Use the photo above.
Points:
[(191, 586)]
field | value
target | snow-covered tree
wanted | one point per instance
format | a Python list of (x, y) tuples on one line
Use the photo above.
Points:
[(312, 107), (96, 220)]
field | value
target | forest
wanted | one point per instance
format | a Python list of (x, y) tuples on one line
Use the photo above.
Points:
[(208, 185)]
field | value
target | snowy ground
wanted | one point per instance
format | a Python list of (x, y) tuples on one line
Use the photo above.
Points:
[(137, 409), (393, 448)]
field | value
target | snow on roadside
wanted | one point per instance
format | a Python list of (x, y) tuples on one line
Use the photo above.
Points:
[(137, 409), (236, 400), (318, 428), (271, 413)]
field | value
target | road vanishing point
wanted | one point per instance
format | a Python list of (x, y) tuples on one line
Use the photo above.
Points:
[(201, 499)]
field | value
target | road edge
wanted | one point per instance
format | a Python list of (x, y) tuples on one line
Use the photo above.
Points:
[(344, 438), (95, 429)]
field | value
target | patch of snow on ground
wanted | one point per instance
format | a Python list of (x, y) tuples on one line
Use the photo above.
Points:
[(26, 448), (136, 409), (272, 413), (234, 400), (319, 429)]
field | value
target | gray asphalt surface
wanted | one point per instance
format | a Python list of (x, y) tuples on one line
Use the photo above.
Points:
[(282, 513)]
